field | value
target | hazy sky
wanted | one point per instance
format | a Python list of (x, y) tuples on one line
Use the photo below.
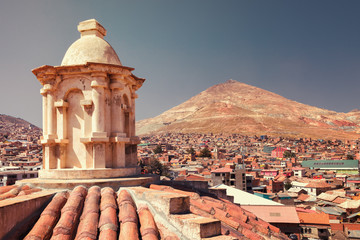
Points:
[(305, 50)]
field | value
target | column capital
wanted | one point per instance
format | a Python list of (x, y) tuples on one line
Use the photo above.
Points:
[(117, 77), (61, 103), (117, 85), (46, 89), (86, 102), (98, 83), (99, 75)]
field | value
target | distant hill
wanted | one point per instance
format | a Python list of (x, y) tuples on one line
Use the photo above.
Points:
[(234, 107), (17, 128)]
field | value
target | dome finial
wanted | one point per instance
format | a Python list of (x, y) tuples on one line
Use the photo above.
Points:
[(91, 27)]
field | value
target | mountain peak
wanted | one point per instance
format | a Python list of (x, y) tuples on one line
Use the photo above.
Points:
[(231, 81), (235, 107)]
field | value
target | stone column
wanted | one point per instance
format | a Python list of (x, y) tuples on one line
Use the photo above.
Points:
[(132, 113), (49, 136), (116, 118), (118, 159), (99, 135), (61, 118), (43, 92), (98, 116), (61, 107), (51, 116)]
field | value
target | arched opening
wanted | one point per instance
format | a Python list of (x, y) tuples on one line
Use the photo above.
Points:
[(76, 153)]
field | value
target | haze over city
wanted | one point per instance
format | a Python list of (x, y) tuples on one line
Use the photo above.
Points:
[(307, 51)]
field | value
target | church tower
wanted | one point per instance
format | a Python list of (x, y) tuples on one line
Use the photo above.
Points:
[(89, 111)]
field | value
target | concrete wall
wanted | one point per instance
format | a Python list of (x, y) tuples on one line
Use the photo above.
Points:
[(18, 215), (196, 185)]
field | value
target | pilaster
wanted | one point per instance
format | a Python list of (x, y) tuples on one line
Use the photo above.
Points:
[(98, 117)]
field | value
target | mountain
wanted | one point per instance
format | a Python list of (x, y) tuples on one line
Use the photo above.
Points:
[(17, 128), (234, 107)]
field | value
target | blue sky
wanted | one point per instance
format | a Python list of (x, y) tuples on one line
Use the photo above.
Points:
[(307, 51)]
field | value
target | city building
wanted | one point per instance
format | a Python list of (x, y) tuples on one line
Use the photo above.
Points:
[(338, 166), (231, 175)]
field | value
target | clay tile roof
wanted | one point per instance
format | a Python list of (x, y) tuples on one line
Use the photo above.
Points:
[(339, 200), (303, 197), (222, 170), (320, 184), (314, 218), (12, 191), (96, 213), (234, 218)]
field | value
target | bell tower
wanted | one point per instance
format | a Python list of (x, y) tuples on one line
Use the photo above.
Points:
[(89, 111)]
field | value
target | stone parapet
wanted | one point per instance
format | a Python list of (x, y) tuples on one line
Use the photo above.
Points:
[(173, 211)]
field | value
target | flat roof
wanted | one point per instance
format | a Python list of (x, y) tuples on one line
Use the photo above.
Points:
[(275, 214), (245, 198)]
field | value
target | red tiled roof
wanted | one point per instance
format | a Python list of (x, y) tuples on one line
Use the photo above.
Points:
[(275, 214), (16, 190), (193, 177), (83, 213), (318, 184), (222, 170), (339, 200), (303, 197), (231, 216), (314, 218)]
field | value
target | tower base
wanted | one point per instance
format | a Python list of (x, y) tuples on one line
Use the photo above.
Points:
[(114, 183), (97, 173)]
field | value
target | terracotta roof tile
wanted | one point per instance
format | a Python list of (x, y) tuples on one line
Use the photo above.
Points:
[(44, 226), (11, 193), (4, 189), (108, 223), (313, 218), (88, 226), (251, 235), (223, 216), (30, 191), (70, 213), (303, 197), (165, 233), (339, 200), (148, 227), (96, 214), (231, 216), (128, 217)]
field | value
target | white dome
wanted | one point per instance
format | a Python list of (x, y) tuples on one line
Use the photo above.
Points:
[(91, 47)]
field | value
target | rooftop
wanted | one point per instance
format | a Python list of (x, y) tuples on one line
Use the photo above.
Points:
[(158, 212)]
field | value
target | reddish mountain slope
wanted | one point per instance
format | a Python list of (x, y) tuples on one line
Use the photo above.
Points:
[(234, 107)]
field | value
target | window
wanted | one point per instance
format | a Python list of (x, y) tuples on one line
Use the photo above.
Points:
[(217, 174), (275, 214)]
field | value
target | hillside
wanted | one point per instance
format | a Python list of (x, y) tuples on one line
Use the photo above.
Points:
[(234, 107), (17, 128)]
